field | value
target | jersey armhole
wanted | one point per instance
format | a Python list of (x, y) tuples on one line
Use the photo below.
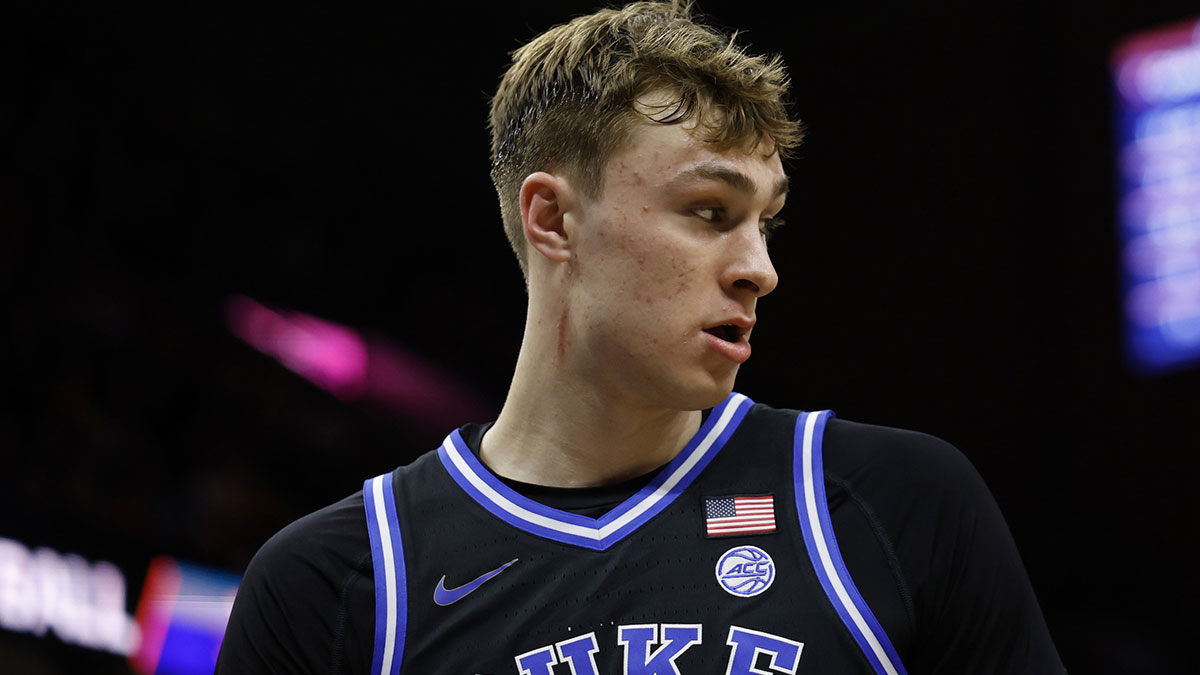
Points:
[(387, 560), (821, 544)]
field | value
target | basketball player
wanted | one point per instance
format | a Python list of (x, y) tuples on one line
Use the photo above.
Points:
[(628, 512)]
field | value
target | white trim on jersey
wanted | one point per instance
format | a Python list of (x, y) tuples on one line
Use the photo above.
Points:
[(387, 561), (389, 570), (831, 571)]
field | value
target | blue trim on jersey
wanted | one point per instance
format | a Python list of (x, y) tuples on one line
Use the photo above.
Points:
[(808, 469), (595, 533), (380, 576), (388, 650), (401, 574)]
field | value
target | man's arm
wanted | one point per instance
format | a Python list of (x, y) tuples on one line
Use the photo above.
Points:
[(306, 603), (953, 560)]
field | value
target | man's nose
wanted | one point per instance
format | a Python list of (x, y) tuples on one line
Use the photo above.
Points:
[(752, 270)]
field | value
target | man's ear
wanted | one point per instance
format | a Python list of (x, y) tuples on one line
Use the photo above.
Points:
[(545, 201)]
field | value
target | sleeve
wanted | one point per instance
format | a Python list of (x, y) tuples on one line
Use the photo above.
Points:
[(954, 560), (304, 599)]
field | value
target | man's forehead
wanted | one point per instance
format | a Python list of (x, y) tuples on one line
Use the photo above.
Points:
[(732, 175), (676, 155)]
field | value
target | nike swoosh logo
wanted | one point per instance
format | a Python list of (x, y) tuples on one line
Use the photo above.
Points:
[(448, 596)]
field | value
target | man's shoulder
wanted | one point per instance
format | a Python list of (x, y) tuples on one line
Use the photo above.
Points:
[(873, 445), (865, 453), (330, 539), (900, 469), (334, 527), (301, 588)]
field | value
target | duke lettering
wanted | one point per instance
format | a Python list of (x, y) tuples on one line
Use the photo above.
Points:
[(652, 649), (748, 644), (637, 641)]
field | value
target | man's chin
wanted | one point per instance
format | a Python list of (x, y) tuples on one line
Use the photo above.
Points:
[(709, 394)]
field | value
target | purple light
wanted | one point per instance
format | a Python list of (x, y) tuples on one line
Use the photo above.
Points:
[(1157, 82)]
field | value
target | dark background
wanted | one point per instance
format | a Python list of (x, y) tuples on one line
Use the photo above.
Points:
[(950, 265)]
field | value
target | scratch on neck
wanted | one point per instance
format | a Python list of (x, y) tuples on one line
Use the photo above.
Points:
[(562, 337)]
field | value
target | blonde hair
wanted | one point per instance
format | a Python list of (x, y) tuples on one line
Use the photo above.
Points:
[(566, 103)]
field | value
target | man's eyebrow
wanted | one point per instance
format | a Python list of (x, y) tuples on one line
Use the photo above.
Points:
[(731, 177)]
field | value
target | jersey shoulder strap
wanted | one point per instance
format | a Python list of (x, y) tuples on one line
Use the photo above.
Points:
[(817, 526), (387, 559)]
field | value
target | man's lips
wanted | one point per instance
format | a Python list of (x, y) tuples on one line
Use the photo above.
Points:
[(731, 338)]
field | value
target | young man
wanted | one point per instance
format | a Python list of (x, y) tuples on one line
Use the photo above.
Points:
[(628, 513)]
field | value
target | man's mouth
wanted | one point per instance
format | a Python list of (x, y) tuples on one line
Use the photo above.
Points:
[(727, 332), (731, 340)]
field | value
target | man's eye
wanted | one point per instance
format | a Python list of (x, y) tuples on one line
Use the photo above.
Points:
[(712, 214), (769, 225)]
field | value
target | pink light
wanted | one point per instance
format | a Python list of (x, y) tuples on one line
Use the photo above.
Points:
[(353, 367), (1159, 66), (332, 357)]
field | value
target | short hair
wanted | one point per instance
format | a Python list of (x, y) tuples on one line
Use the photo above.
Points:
[(566, 104)]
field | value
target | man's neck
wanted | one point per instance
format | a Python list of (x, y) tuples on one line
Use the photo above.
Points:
[(584, 447), (566, 434)]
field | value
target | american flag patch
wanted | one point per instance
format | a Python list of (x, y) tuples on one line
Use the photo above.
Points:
[(739, 515)]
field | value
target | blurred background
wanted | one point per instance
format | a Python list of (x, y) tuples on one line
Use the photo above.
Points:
[(249, 258)]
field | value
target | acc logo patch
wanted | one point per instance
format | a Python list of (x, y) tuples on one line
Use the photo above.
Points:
[(745, 571)]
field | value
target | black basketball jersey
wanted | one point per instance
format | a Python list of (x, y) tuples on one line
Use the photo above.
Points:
[(724, 562)]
